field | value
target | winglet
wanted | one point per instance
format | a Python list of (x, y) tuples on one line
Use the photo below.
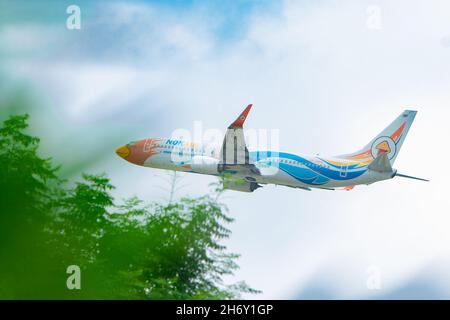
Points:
[(239, 122)]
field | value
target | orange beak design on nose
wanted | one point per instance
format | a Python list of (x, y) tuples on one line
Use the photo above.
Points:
[(138, 152), (123, 151)]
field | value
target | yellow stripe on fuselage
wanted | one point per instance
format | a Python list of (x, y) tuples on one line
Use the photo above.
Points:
[(347, 164)]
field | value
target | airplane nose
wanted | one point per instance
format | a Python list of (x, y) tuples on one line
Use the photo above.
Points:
[(123, 151)]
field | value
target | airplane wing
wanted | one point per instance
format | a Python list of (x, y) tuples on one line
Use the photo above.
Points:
[(234, 155)]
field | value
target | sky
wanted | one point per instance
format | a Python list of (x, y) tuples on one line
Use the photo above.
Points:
[(327, 75)]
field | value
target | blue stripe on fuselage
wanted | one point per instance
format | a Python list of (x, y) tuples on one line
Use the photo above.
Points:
[(312, 168)]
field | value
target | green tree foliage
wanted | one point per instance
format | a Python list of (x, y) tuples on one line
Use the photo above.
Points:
[(25, 197), (175, 252), (125, 251)]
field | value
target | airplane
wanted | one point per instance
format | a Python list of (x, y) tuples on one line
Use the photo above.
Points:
[(249, 170)]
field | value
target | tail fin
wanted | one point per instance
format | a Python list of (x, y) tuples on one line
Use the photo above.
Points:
[(389, 140)]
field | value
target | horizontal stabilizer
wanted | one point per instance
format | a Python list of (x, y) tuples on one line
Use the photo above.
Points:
[(410, 177), (381, 164)]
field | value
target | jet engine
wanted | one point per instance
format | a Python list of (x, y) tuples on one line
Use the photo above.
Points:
[(243, 186), (205, 165)]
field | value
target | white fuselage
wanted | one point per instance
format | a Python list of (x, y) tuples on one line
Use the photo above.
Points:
[(280, 168), (367, 165)]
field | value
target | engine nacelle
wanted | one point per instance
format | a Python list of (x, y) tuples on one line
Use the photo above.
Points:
[(242, 186), (205, 165)]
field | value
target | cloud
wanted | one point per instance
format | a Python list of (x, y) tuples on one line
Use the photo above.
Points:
[(19, 39), (423, 285)]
